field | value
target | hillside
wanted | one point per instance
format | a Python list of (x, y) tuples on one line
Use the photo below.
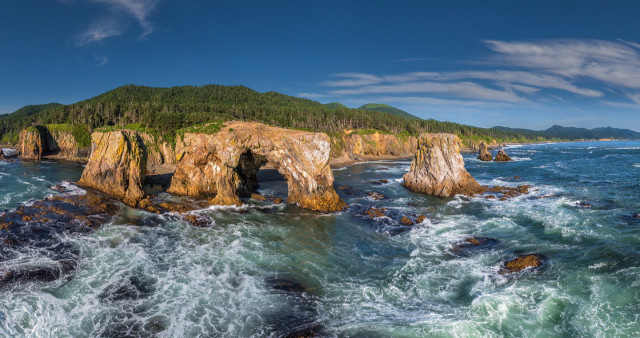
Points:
[(573, 133), (34, 109), (168, 110), (336, 105), (388, 109)]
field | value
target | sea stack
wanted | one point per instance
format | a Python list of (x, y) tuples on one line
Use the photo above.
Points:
[(117, 165), (438, 168), (484, 154), (31, 143), (502, 156), (225, 163)]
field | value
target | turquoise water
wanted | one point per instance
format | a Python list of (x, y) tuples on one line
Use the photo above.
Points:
[(149, 275)]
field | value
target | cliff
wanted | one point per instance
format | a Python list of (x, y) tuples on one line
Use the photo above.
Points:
[(117, 165), (62, 141), (371, 145), (438, 168), (225, 163), (159, 153)]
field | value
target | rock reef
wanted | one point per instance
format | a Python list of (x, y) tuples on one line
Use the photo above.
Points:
[(117, 166), (225, 164), (484, 154), (502, 156), (438, 168)]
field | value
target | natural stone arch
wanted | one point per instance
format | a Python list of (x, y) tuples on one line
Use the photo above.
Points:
[(229, 160)]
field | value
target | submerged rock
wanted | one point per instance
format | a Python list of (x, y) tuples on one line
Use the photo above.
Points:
[(471, 245), (225, 164), (484, 154), (117, 165), (406, 221), (522, 262), (507, 192), (258, 197), (376, 212), (438, 168), (375, 196), (502, 156)]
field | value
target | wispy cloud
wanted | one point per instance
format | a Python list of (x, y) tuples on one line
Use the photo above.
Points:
[(536, 72), (114, 22), (101, 60), (614, 63)]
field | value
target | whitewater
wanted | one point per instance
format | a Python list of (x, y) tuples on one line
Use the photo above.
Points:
[(276, 270)]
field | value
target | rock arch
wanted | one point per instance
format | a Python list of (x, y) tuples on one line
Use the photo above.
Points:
[(225, 164)]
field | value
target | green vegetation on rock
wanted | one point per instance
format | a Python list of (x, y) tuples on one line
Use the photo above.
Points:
[(80, 132)]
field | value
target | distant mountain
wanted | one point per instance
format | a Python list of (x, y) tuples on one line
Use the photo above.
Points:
[(389, 110), (33, 109), (576, 133), (335, 105)]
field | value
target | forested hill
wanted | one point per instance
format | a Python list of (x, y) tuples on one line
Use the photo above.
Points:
[(572, 133), (388, 109), (169, 109)]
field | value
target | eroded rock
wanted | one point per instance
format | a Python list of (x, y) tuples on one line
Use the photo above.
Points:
[(375, 196), (31, 143), (438, 168), (117, 165), (502, 156), (484, 154), (522, 262), (225, 164)]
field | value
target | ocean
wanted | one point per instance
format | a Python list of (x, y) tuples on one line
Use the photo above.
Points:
[(275, 270)]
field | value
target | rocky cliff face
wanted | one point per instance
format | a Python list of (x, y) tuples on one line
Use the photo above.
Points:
[(39, 141), (438, 168), (226, 164), (484, 154), (355, 146), (31, 143), (65, 146), (159, 153), (117, 165)]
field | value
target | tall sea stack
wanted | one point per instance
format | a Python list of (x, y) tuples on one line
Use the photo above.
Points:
[(484, 154), (438, 168)]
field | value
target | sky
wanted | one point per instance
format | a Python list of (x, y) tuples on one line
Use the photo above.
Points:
[(524, 64)]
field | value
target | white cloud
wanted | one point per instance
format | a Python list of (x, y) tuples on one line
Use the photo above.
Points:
[(613, 63), (458, 89), (352, 80), (101, 60), (114, 22)]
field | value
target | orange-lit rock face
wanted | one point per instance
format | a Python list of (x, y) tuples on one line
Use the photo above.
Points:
[(117, 165), (484, 154), (225, 164), (438, 168), (31, 143)]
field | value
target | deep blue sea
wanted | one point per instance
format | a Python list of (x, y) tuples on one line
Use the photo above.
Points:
[(272, 270)]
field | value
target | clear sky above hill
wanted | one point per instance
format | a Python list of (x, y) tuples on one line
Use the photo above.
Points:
[(528, 64)]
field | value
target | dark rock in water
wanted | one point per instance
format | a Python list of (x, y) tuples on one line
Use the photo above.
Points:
[(583, 204), (286, 285), (471, 245), (37, 228), (176, 207), (344, 187), (521, 263), (502, 156), (508, 192), (58, 188), (130, 288), (311, 331), (420, 219), (258, 197), (636, 215), (484, 154), (277, 200), (379, 182), (376, 196), (40, 274)]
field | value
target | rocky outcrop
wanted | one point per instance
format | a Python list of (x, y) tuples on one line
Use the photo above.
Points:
[(521, 263), (31, 143), (225, 164), (52, 140), (2, 157), (438, 168), (502, 156), (484, 154), (358, 146), (117, 165)]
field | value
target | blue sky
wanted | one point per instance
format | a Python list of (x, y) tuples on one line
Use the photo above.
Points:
[(528, 64)]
